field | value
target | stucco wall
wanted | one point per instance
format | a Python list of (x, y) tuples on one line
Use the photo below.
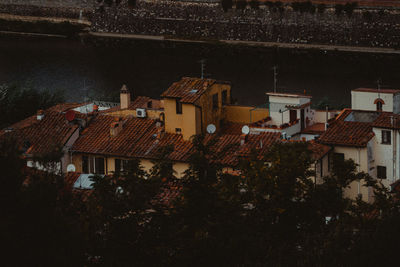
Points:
[(150, 113), (244, 114), (360, 157), (365, 100)]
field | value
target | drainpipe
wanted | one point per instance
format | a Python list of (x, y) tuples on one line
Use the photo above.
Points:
[(394, 150), (358, 169)]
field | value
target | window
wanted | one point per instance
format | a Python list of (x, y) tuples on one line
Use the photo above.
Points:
[(215, 101), (178, 130), (178, 106), (224, 97), (293, 115), (99, 165), (118, 165), (85, 164), (381, 172), (386, 137), (335, 158), (379, 106)]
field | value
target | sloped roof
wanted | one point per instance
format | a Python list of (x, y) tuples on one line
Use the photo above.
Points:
[(387, 120), (189, 89), (42, 136), (347, 133)]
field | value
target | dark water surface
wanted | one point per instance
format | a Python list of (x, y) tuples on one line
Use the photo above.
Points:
[(148, 68)]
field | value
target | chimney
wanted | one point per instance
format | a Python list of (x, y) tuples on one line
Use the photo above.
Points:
[(116, 127), (40, 115), (125, 97), (160, 130)]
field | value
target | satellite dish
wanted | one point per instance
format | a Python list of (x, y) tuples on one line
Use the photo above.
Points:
[(70, 115), (71, 168), (245, 129), (211, 128)]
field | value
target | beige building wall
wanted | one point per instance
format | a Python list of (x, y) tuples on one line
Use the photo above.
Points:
[(244, 114), (365, 100), (360, 157)]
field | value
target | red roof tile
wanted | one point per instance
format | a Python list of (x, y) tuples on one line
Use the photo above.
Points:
[(42, 136), (189, 89), (318, 150), (387, 120), (347, 133), (316, 128)]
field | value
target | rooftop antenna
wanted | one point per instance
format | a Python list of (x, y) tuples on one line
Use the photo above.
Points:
[(275, 77), (378, 82), (203, 67)]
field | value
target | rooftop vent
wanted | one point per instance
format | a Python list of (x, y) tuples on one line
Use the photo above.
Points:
[(193, 91)]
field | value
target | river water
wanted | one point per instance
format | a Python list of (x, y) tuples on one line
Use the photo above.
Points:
[(148, 68)]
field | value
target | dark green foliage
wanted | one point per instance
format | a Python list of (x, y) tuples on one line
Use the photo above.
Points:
[(226, 5), (348, 8), (272, 214), (321, 8), (367, 16), (303, 7), (254, 4), (131, 3), (241, 4), (38, 216), (339, 9), (20, 102)]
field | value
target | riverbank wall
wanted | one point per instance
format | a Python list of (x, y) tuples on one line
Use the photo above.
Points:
[(207, 22), (201, 21)]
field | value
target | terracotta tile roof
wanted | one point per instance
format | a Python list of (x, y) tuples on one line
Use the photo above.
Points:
[(138, 138), (316, 128), (318, 150), (65, 107), (189, 89), (374, 90), (228, 148), (288, 95), (42, 136), (347, 133), (387, 120), (232, 128), (143, 102)]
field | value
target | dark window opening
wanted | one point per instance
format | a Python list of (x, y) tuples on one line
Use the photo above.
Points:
[(85, 164), (379, 106), (386, 137), (118, 165), (335, 158), (99, 166), (224, 97), (215, 101), (178, 106), (293, 115), (178, 130), (149, 104), (381, 172)]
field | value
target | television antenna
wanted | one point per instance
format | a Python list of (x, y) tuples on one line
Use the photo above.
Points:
[(275, 68), (203, 67)]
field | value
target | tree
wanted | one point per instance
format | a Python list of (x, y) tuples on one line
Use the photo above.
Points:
[(241, 4), (255, 4), (226, 5), (349, 8), (18, 102), (338, 9), (321, 8)]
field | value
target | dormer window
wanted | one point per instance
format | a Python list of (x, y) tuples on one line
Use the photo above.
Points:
[(379, 104)]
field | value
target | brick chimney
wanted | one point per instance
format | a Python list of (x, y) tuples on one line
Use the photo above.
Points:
[(40, 115), (125, 97), (116, 127)]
